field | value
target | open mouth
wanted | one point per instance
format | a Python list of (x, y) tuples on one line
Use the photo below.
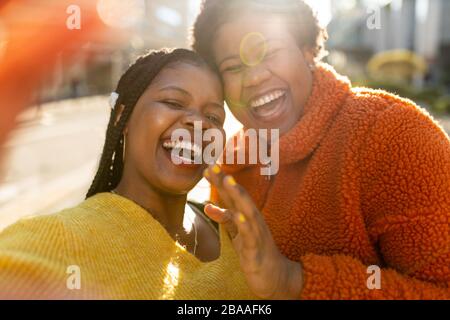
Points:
[(269, 106), (183, 152)]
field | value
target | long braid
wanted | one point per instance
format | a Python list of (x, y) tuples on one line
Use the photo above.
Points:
[(131, 86)]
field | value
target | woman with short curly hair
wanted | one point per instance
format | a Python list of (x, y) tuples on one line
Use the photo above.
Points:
[(360, 205)]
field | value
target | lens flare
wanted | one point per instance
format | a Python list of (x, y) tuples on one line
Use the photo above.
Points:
[(253, 49), (122, 14)]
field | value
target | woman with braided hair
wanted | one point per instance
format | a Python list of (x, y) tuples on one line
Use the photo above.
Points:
[(135, 236)]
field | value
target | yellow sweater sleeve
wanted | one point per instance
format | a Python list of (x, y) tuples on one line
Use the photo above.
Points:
[(33, 259), (110, 248)]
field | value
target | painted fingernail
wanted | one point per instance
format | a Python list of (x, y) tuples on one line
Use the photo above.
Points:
[(231, 181), (242, 218), (216, 169)]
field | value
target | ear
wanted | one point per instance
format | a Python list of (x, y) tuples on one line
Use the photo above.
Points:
[(308, 54), (119, 114)]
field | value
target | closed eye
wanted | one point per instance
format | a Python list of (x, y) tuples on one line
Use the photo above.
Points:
[(173, 104), (233, 69), (215, 119)]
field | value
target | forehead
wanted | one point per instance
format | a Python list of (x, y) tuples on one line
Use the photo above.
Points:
[(271, 27), (188, 76)]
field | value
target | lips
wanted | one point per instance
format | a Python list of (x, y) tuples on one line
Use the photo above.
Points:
[(269, 106)]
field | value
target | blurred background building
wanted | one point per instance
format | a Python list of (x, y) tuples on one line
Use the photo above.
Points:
[(421, 27), (399, 45), (411, 41), (98, 66)]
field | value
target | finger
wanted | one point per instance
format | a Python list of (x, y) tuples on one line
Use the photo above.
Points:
[(223, 217), (217, 214), (249, 237), (243, 202), (215, 176)]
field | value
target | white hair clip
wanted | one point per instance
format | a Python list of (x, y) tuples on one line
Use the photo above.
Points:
[(113, 99)]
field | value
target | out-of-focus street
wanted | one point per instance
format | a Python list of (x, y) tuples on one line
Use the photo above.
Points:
[(52, 156)]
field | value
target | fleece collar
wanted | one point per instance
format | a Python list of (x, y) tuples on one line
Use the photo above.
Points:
[(329, 93)]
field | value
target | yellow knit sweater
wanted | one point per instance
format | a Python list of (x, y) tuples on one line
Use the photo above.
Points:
[(110, 248)]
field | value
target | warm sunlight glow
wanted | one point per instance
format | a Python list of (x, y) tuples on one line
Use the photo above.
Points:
[(188, 219), (121, 13), (171, 280), (323, 9), (3, 40)]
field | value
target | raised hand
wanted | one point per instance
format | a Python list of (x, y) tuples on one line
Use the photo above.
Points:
[(269, 274)]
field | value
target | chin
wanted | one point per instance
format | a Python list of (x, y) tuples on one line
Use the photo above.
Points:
[(180, 187)]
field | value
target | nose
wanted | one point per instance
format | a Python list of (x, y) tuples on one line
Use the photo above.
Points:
[(192, 117), (256, 75)]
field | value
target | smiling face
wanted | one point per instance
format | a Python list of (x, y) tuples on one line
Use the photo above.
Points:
[(267, 78), (181, 94)]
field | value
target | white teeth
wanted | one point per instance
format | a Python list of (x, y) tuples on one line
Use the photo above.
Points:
[(186, 145), (186, 160), (266, 99)]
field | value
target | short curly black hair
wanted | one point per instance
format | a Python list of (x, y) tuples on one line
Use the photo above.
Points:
[(300, 18)]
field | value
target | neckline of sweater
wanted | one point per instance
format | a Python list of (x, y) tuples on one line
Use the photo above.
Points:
[(105, 202)]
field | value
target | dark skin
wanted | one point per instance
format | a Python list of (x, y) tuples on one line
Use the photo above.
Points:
[(259, 57), (269, 274), (172, 101)]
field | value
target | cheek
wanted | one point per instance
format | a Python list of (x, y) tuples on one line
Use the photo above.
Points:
[(287, 68), (232, 89), (242, 114), (158, 119), (301, 92), (296, 75), (147, 130)]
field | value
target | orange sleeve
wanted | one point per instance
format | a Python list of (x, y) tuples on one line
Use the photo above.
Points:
[(405, 183)]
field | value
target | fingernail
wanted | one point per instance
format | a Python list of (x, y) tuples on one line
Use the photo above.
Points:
[(206, 173), (242, 218), (216, 169), (231, 181)]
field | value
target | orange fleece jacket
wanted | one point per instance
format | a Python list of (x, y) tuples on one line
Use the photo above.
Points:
[(364, 180)]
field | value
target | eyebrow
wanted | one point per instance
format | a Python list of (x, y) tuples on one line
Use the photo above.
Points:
[(175, 88), (186, 93)]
